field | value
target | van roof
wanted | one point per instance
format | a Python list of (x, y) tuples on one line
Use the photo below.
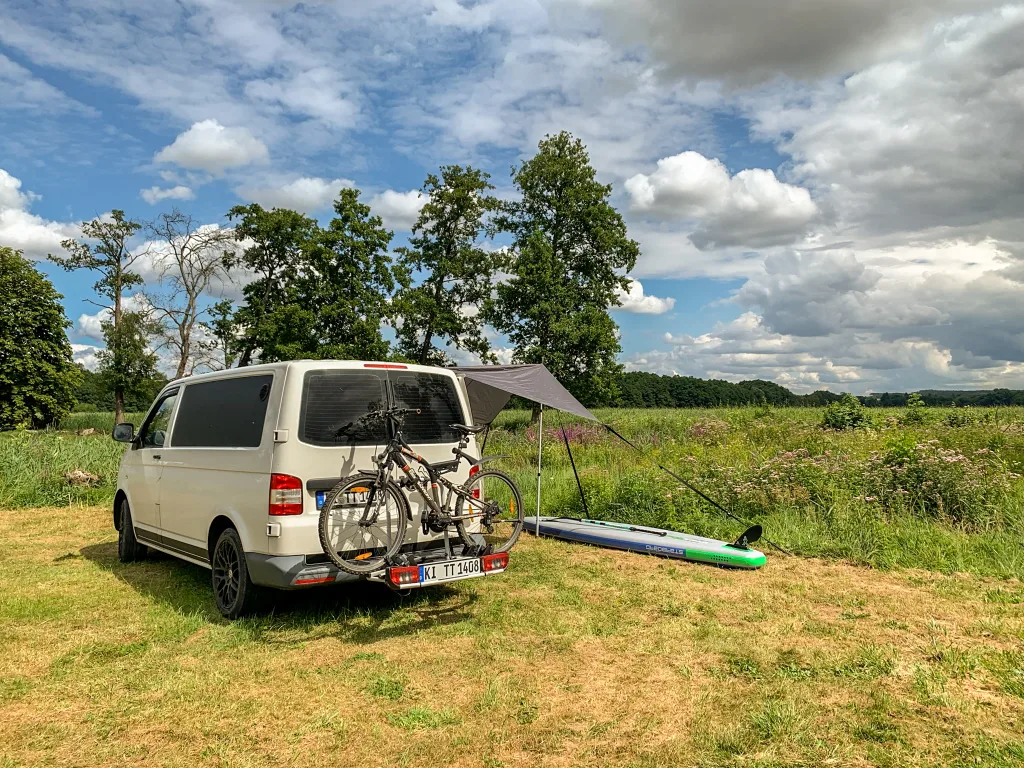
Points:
[(305, 365)]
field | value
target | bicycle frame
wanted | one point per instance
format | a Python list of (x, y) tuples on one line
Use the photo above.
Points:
[(397, 453)]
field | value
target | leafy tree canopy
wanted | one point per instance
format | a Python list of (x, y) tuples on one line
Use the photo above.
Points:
[(456, 273), (570, 253), (37, 376)]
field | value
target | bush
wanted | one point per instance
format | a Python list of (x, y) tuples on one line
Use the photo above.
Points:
[(915, 412), (845, 413)]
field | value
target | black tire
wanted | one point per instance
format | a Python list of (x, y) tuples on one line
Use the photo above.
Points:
[(500, 531), (128, 548), (233, 590), (339, 526)]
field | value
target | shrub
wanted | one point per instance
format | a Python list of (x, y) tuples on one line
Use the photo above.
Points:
[(845, 413), (915, 413)]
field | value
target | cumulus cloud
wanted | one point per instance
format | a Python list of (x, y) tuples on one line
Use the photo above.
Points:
[(212, 147), (926, 140), (86, 355), (399, 210), (90, 326), (154, 195), (752, 208), (305, 194), (745, 43), (25, 231), (636, 302)]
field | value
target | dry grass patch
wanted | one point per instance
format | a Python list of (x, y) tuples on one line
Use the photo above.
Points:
[(576, 656)]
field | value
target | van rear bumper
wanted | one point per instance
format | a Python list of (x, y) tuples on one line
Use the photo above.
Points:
[(294, 572)]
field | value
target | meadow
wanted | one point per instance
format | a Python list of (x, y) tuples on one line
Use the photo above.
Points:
[(936, 488), (575, 656)]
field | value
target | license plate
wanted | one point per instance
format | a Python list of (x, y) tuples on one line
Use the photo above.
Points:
[(450, 570), (355, 499)]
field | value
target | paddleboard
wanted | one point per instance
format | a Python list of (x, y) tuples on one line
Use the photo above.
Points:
[(650, 541)]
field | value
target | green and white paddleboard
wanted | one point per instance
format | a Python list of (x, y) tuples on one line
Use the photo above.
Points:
[(652, 541)]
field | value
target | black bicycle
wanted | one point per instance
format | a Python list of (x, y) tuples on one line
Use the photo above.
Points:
[(364, 518)]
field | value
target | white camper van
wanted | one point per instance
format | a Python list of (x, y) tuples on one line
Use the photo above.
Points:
[(229, 469)]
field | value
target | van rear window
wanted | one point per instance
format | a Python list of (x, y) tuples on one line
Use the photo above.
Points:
[(334, 401), (439, 401)]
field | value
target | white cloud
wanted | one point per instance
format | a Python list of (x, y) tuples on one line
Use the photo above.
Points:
[(90, 326), (399, 210), (305, 194), (636, 302), (24, 231), (154, 195), (211, 147), (927, 140), (317, 93), (752, 208), (87, 355)]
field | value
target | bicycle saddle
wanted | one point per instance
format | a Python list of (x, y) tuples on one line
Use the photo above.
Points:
[(468, 430)]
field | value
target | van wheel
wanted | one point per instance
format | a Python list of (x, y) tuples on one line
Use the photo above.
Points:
[(128, 548), (234, 591)]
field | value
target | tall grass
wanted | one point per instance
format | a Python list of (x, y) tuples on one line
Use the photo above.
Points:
[(945, 494)]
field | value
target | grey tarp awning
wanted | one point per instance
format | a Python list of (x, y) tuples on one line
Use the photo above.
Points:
[(491, 386)]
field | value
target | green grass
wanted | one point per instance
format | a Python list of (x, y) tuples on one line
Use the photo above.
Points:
[(574, 656)]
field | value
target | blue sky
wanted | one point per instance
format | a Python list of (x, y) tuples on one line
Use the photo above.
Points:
[(806, 211)]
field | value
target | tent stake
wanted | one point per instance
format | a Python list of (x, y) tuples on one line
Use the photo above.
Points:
[(540, 445)]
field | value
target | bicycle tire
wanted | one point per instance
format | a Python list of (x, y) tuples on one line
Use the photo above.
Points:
[(495, 541), (379, 556)]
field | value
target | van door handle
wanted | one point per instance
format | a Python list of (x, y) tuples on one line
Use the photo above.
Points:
[(157, 457)]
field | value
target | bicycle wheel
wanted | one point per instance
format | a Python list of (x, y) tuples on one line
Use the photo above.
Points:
[(499, 509), (361, 525)]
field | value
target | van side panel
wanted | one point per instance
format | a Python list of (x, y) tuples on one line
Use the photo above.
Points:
[(202, 482), (309, 462)]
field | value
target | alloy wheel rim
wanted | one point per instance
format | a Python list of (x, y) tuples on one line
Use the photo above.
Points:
[(226, 577)]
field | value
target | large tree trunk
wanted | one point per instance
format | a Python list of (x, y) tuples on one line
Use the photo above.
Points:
[(118, 405)]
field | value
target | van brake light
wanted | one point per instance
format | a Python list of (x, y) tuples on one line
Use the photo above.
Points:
[(285, 495), (496, 562), (401, 576), (388, 366), (472, 471)]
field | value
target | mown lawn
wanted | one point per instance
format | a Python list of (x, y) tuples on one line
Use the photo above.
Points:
[(576, 656)]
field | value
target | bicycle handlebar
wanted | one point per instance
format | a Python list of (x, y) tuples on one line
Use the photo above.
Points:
[(393, 413)]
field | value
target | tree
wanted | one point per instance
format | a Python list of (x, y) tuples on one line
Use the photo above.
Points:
[(276, 242), (457, 273), (105, 250), (189, 258), (37, 376), (220, 341), (569, 254), (319, 292), (347, 289)]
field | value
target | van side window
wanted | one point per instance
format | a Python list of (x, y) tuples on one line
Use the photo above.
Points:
[(332, 404), (154, 432), (226, 413), (437, 397)]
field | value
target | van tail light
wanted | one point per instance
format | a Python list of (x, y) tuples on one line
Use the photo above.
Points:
[(285, 495), (404, 575), (497, 562), (472, 471)]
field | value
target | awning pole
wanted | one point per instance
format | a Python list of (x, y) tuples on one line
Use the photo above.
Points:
[(540, 445)]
